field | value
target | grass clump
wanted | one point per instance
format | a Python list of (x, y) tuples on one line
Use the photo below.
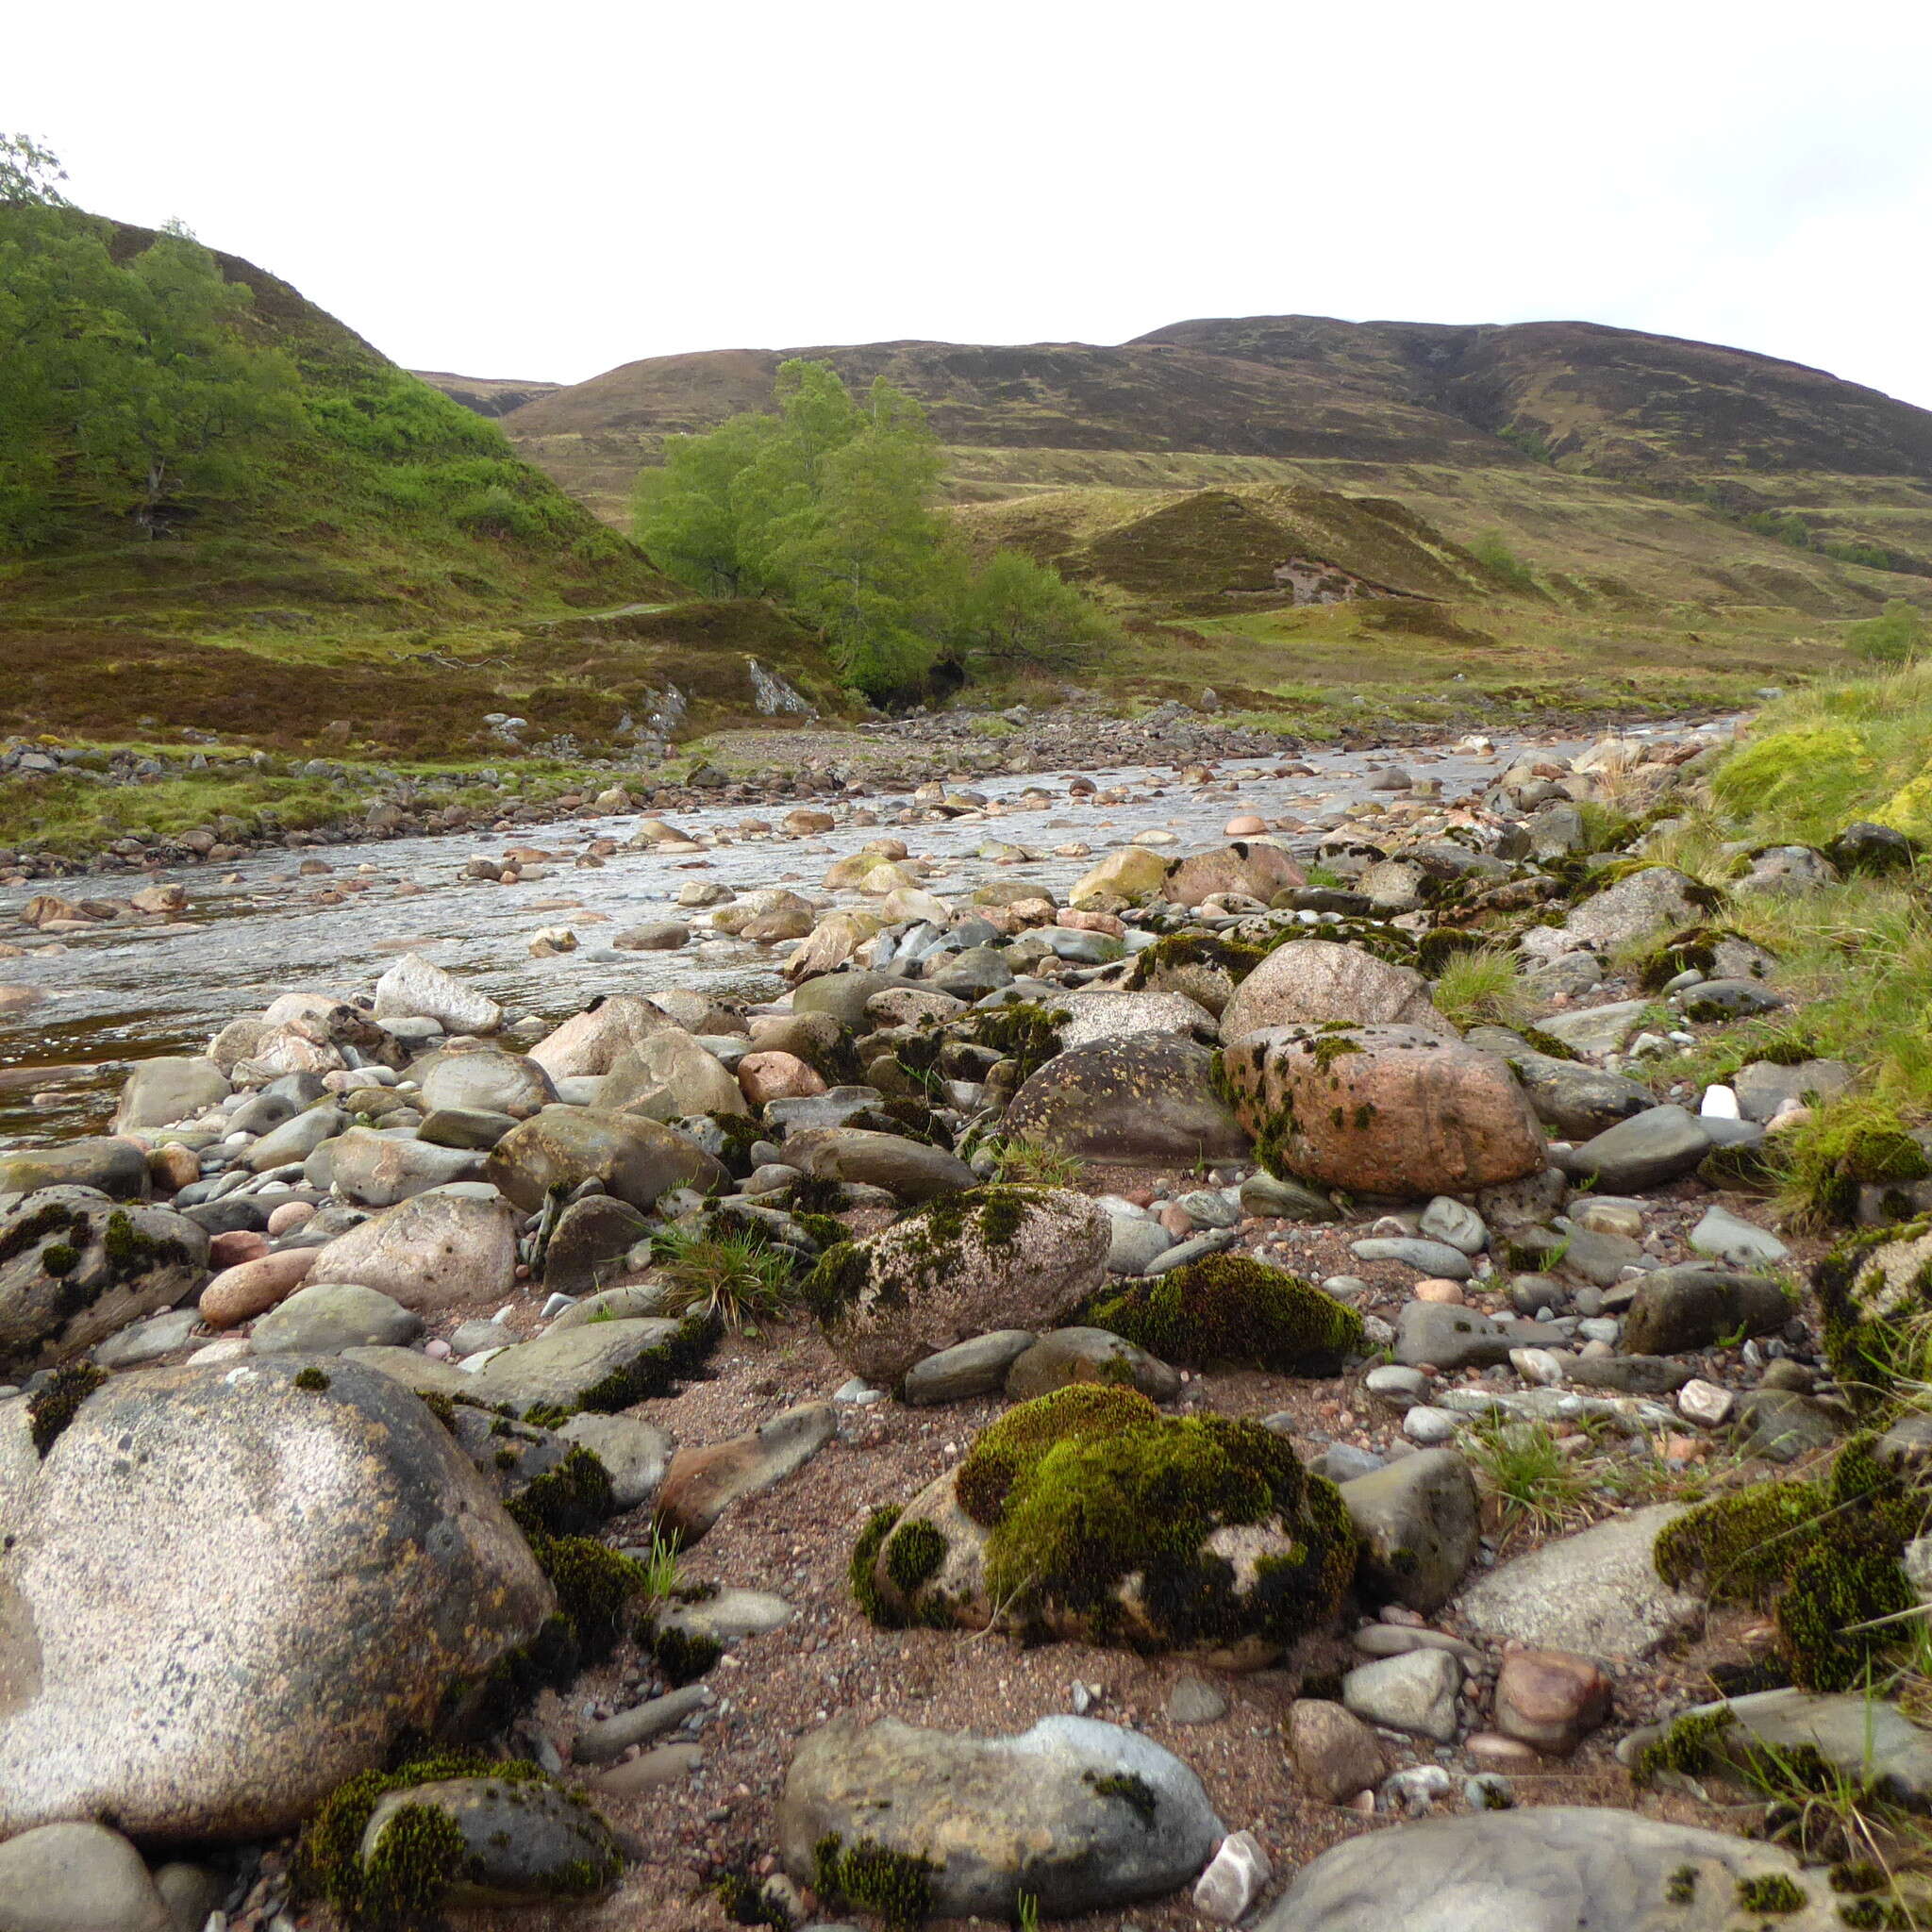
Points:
[(733, 1278), (1849, 1142), (1483, 987), (1522, 1465), (1090, 1486), (1026, 1163), (1226, 1309)]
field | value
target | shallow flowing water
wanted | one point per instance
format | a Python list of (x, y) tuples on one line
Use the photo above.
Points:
[(255, 927)]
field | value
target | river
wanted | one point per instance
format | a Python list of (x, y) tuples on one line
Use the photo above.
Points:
[(255, 927)]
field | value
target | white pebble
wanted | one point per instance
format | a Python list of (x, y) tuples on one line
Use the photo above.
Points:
[(1720, 1103)]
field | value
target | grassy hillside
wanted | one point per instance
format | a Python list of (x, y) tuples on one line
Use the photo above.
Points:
[(374, 572), (376, 503)]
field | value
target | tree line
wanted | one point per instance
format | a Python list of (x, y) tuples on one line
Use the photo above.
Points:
[(828, 504)]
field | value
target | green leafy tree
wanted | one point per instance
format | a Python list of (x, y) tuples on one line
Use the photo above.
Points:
[(683, 514), (123, 387), (185, 400), (1018, 612), (829, 506), (29, 173), (1896, 636)]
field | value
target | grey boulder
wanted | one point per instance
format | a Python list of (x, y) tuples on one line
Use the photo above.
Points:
[(1553, 1868), (326, 1317), (635, 1159), (229, 1588), (1420, 1522), (1082, 1815), (429, 1252), (1150, 1098), (1645, 1150)]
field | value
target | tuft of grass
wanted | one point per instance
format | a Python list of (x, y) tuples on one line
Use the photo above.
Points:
[(1483, 987), (1524, 1467), (736, 1278), (1025, 1163)]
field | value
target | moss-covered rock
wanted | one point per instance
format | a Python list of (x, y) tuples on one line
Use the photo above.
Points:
[(1088, 1514), (388, 1848), (1822, 1554), (963, 1265), (1227, 1308), (1874, 1290)]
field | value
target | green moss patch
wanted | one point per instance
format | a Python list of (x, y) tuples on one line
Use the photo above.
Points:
[(567, 1501), (57, 1401), (872, 1878), (1087, 1487), (1822, 1554), (1227, 1308), (421, 1853)]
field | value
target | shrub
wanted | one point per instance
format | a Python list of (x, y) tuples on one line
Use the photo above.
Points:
[(1895, 636)]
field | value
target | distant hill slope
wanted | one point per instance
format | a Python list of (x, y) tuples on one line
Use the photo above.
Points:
[(1606, 402), (382, 504), (1625, 467), (487, 395)]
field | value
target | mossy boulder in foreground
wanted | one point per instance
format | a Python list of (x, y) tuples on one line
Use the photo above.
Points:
[(965, 1264), (1086, 1514), (1229, 1310)]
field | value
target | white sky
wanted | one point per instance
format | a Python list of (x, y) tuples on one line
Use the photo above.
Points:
[(550, 190)]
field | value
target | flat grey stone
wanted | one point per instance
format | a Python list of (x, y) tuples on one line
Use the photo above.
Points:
[(1596, 1594), (1194, 1701), (969, 1368), (148, 1340), (606, 1741), (1554, 1868), (1730, 1238), (1449, 1336), (1642, 1152), (1434, 1258), (1596, 1029)]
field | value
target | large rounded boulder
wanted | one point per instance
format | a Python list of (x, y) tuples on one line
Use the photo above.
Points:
[(635, 1159), (1383, 1109), (965, 1264), (76, 1267), (229, 1588), (1089, 1515), (432, 1251), (1309, 981), (1150, 1097)]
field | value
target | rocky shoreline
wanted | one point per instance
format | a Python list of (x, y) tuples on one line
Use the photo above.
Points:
[(1096, 1402)]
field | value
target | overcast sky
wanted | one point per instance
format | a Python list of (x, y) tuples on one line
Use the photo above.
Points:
[(546, 192)]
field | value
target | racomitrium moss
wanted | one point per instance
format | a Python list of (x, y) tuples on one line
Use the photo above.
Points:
[(1090, 1486), (1227, 1308)]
